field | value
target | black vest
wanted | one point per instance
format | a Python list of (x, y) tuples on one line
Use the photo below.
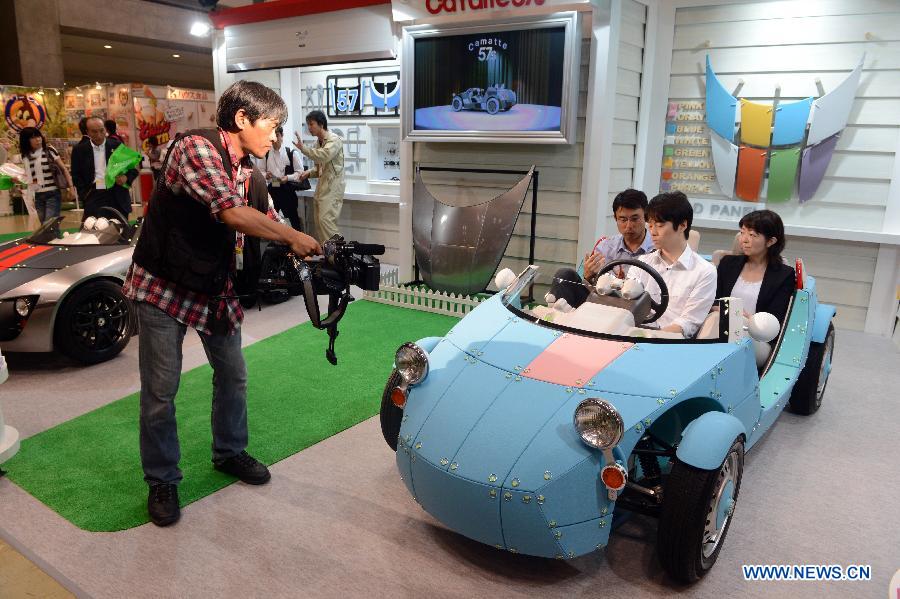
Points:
[(181, 243)]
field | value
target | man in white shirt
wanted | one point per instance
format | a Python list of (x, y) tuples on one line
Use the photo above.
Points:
[(282, 168), (691, 279)]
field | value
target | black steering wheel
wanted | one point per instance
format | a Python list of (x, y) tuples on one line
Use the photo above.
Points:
[(659, 308)]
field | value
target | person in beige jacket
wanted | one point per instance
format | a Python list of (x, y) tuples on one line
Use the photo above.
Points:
[(328, 157)]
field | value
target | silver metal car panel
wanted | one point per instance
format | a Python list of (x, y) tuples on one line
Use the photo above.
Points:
[(458, 248)]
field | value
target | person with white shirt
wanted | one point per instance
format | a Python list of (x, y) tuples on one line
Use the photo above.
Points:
[(89, 162), (282, 167), (690, 279)]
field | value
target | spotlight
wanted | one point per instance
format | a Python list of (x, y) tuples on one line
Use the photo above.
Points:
[(176, 56), (200, 29), (107, 46), (98, 86)]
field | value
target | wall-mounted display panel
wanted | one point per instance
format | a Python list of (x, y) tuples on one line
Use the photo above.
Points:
[(506, 82)]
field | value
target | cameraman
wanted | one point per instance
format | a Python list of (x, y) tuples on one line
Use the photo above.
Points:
[(282, 168), (182, 277)]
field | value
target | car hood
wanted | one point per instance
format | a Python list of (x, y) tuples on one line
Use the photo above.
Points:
[(22, 262), (494, 335)]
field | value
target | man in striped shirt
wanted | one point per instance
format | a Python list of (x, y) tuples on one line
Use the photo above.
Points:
[(181, 277)]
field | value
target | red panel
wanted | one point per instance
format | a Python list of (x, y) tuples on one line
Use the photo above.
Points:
[(572, 360), (751, 166), (282, 9)]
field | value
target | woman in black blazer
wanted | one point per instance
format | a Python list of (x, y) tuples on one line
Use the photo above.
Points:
[(759, 275)]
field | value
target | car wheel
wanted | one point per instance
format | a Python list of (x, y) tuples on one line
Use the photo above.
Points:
[(493, 106), (696, 513), (806, 397), (94, 323), (391, 415), (457, 104)]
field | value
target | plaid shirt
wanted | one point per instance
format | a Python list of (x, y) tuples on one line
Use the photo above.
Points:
[(195, 167)]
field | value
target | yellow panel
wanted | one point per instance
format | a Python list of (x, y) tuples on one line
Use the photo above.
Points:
[(756, 123)]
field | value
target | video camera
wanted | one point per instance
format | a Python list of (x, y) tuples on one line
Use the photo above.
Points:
[(343, 263)]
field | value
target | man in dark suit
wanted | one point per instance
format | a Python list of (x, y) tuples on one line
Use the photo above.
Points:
[(89, 162)]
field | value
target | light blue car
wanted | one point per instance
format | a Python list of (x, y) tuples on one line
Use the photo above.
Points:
[(534, 436)]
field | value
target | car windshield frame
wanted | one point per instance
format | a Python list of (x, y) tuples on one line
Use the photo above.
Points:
[(512, 295), (50, 234)]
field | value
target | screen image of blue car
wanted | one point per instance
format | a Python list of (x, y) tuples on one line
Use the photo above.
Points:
[(536, 431), (492, 100)]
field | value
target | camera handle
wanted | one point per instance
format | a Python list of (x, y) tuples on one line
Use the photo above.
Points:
[(337, 305)]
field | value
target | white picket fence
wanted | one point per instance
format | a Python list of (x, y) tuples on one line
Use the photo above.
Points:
[(393, 293)]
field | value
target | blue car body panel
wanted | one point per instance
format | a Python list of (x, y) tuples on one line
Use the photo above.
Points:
[(494, 454)]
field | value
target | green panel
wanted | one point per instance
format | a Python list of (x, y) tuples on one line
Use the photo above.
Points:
[(782, 174), (777, 381)]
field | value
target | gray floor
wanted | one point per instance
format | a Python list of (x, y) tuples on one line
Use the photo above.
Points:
[(337, 521)]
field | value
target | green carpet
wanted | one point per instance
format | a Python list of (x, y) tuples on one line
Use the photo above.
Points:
[(88, 469)]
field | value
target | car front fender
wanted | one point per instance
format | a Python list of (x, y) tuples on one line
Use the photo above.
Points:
[(706, 440), (428, 343), (824, 314)]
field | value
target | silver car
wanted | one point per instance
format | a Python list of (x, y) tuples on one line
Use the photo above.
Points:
[(63, 292)]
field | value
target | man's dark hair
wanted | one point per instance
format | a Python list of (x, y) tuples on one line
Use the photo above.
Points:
[(318, 117), (279, 130), (255, 99), (671, 207), (82, 125), (768, 224), (110, 126), (630, 199)]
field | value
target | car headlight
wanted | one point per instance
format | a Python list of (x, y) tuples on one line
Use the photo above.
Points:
[(598, 423), (411, 362), (23, 306)]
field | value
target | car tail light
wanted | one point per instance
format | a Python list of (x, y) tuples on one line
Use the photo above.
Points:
[(614, 477), (398, 397)]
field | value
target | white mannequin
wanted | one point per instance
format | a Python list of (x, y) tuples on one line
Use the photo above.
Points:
[(9, 437)]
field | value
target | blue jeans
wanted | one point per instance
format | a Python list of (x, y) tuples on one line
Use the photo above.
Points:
[(160, 339), (47, 204)]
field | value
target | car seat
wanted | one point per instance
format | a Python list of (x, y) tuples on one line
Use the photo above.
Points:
[(694, 240), (735, 250)]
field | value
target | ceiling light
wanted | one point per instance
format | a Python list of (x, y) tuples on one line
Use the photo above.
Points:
[(107, 46), (200, 29), (57, 92), (176, 56), (98, 86)]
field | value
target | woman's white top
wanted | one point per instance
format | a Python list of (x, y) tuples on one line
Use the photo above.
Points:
[(37, 170), (749, 292)]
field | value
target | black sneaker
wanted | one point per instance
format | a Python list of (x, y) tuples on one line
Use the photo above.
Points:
[(245, 467), (162, 504)]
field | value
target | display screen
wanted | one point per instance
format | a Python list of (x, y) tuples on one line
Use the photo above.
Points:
[(503, 81)]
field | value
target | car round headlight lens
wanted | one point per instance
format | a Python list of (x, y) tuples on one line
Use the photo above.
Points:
[(412, 363), (598, 423), (23, 306)]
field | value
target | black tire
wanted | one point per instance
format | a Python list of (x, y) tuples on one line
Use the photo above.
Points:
[(806, 396), (686, 549), (94, 323), (456, 104), (391, 415), (492, 106)]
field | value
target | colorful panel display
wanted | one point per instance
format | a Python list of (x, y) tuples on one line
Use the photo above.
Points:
[(756, 123), (790, 122), (782, 174), (751, 166), (813, 165), (721, 106)]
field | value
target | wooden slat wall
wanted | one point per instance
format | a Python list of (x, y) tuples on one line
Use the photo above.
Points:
[(560, 166), (791, 43)]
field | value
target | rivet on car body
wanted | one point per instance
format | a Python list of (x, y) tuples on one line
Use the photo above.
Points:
[(454, 466), (602, 523), (559, 556), (547, 475), (419, 445), (673, 392), (508, 375), (492, 478), (578, 381), (518, 378), (581, 392), (526, 499), (507, 496), (558, 534), (604, 511), (492, 493), (515, 482), (540, 499), (552, 524), (444, 461), (660, 401), (571, 554), (497, 546), (647, 422), (513, 550), (638, 428)]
